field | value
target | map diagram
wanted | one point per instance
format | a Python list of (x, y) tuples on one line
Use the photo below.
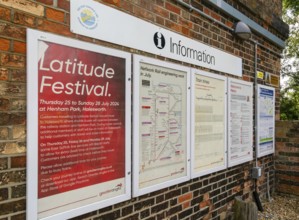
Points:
[(161, 121), (266, 119)]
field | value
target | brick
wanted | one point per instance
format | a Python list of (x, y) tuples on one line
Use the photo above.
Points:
[(24, 19), (174, 218), (14, 89), (18, 75), (207, 11), (196, 200), (18, 162), (21, 216), (185, 31), (12, 207), (132, 217), (205, 189), (146, 4), (172, 194), (174, 210), (160, 199), (4, 14), (12, 60), (144, 213), (195, 186), (4, 194), (3, 75), (126, 6), (159, 207), (46, 2), (113, 2), (186, 205), (19, 47), (140, 12), (173, 202), (4, 106), (173, 17), (160, 215), (4, 133), (172, 8), (18, 191), (55, 15), (217, 177), (25, 6), (160, 11), (4, 44), (172, 25), (12, 31), (144, 204), (18, 132), (13, 148), (204, 204), (18, 105), (216, 16), (184, 198), (127, 210), (54, 27), (12, 177), (3, 163), (185, 213), (64, 4)]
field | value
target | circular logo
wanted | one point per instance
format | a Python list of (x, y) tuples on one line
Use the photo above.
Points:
[(88, 17), (159, 40)]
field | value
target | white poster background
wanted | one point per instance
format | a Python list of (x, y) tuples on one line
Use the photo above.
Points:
[(240, 121), (266, 120), (93, 19), (161, 125), (208, 123), (72, 203)]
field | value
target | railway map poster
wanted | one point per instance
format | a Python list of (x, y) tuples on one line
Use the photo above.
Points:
[(240, 122), (80, 110), (208, 123), (266, 120), (160, 125)]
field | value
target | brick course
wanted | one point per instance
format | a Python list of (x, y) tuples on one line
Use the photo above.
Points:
[(208, 197)]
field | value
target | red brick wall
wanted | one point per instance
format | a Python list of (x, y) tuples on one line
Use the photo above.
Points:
[(200, 198), (287, 157)]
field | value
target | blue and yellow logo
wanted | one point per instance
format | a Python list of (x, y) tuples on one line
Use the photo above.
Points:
[(87, 17)]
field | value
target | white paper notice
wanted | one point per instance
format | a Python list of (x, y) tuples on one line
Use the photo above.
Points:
[(209, 123), (240, 122)]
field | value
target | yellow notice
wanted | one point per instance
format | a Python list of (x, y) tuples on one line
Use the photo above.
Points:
[(260, 75)]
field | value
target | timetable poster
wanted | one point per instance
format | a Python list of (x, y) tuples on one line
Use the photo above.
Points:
[(162, 125), (81, 127), (240, 121), (266, 120), (209, 123)]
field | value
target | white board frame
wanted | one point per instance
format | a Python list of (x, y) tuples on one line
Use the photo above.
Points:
[(249, 156), (206, 171), (137, 191), (33, 37), (261, 153)]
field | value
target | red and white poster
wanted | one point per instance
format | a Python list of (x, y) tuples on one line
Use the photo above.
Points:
[(81, 129)]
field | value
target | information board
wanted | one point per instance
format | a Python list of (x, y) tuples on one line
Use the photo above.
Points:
[(96, 20), (78, 126), (265, 120), (161, 125), (240, 121), (208, 123)]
